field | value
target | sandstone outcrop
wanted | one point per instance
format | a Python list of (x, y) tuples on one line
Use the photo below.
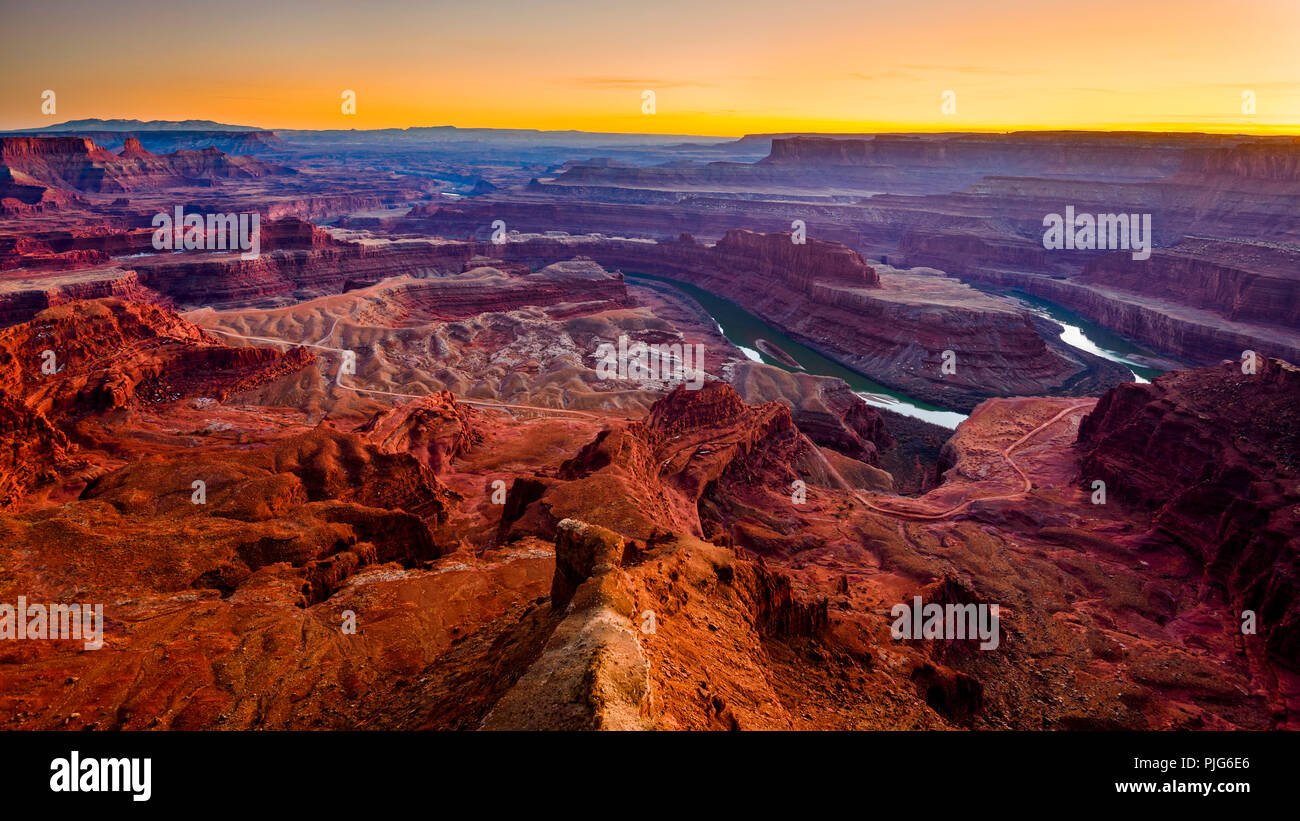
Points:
[(164, 142), (79, 164), (94, 357), (23, 299), (434, 430), (799, 264), (825, 410), (592, 674), (1214, 453), (1237, 280), (679, 470)]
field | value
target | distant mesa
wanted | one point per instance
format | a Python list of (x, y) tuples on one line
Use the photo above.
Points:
[(79, 164), (164, 137), (96, 124)]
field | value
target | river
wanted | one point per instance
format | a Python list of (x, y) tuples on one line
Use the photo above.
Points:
[(1085, 335), (743, 330)]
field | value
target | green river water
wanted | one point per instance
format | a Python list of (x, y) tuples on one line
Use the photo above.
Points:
[(743, 330)]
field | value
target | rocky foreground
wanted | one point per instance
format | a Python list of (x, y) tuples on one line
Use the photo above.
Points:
[(433, 565)]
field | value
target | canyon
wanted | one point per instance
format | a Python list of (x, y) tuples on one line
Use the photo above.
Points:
[(894, 328), (375, 479)]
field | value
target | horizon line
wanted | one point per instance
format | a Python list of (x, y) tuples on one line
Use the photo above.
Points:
[(900, 129)]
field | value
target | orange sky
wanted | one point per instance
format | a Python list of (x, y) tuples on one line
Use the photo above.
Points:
[(720, 67)]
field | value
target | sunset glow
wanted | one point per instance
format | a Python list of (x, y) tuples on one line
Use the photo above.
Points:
[(726, 69)]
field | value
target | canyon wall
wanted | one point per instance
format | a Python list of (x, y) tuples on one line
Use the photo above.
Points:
[(1238, 280), (79, 164), (1214, 453)]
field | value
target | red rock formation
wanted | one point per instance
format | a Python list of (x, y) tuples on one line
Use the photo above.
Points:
[(471, 220), (109, 355), (325, 502), (668, 472), (486, 289), (777, 256), (29, 253), (78, 163), (81, 246), (1216, 454), (294, 234), (174, 358), (24, 299), (213, 279), (133, 150), (826, 410), (1275, 163), (434, 430), (283, 523), (1238, 280), (32, 450), (1200, 300), (163, 142), (1026, 153), (595, 671)]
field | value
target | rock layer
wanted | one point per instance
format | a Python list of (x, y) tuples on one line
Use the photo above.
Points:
[(1215, 453)]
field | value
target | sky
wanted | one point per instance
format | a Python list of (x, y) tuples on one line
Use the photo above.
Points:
[(715, 67)]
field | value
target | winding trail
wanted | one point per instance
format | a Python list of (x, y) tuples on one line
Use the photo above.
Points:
[(330, 333), (952, 511)]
